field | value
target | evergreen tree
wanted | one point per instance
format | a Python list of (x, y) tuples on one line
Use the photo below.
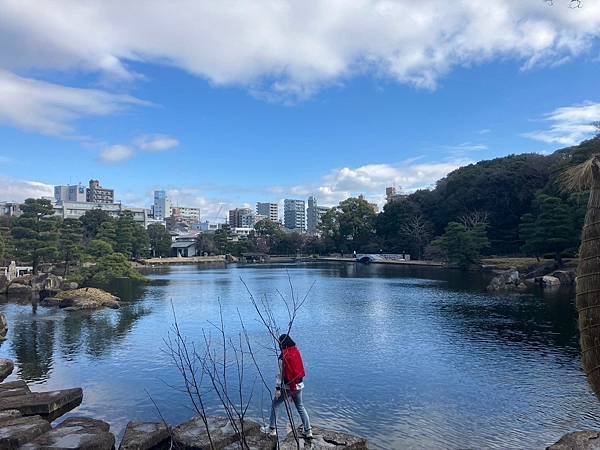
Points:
[(92, 220), (99, 248), (107, 232), (70, 242), (125, 234), (463, 246), (35, 232), (160, 240), (221, 239)]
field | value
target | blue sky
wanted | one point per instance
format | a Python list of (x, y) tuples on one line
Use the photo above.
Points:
[(235, 104)]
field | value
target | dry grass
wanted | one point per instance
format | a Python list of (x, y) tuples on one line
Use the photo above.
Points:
[(581, 177), (88, 297)]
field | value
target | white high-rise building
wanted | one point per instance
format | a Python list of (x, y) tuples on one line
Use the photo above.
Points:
[(70, 193), (162, 205), (314, 213), (294, 214), (269, 210)]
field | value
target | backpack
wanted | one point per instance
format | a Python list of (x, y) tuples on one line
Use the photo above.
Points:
[(293, 367)]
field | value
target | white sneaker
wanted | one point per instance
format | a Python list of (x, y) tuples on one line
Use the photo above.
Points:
[(269, 431)]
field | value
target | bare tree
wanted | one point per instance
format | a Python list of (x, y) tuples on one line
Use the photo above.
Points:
[(418, 231), (220, 363), (474, 218)]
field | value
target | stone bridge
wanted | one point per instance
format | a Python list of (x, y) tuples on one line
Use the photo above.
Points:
[(381, 257)]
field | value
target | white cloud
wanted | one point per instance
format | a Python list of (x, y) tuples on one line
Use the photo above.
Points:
[(569, 125), (372, 179), (48, 108), (116, 153), (287, 47), (19, 190), (156, 142)]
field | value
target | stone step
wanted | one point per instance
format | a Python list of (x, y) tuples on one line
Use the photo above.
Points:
[(44, 403), (20, 430), (76, 433), (6, 368), (145, 436), (192, 435), (13, 388)]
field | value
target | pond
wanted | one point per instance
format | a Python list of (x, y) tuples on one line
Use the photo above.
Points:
[(405, 356)]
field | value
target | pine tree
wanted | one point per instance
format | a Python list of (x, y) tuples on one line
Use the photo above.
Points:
[(70, 242), (35, 232)]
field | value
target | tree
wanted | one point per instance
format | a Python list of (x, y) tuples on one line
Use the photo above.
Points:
[(392, 223), (160, 240), (99, 248), (461, 245), (70, 242), (417, 231), (107, 231), (92, 220), (221, 239), (267, 235), (205, 243), (357, 223), (109, 268), (551, 228), (35, 232), (132, 239)]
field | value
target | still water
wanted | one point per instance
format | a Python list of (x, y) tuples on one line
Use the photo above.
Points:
[(410, 358)]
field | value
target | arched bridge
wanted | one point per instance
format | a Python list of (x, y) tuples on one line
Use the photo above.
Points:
[(381, 257)]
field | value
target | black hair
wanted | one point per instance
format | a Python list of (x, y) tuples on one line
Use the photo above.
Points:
[(285, 341)]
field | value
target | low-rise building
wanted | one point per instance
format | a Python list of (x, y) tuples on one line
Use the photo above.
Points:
[(206, 227), (10, 209), (74, 210), (184, 248)]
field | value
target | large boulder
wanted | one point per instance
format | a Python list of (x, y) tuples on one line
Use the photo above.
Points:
[(3, 325), (566, 277), (75, 433), (507, 280), (69, 286), (579, 440), (14, 432), (84, 298), (192, 435), (18, 290), (544, 269), (145, 436), (6, 368), (548, 281)]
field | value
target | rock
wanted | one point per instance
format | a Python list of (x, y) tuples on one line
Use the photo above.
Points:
[(326, 439), (506, 280), (87, 298), (19, 430), (6, 368), (542, 270), (8, 415), (23, 279), (50, 301), (145, 436), (14, 388), (549, 281), (69, 286), (258, 441), (3, 325), (43, 403), (566, 277), (3, 284), (18, 289), (75, 433), (192, 435), (580, 440)]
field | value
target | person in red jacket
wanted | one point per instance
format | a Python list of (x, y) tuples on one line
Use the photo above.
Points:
[(290, 383)]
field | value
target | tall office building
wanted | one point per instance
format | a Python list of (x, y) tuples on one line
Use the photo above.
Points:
[(97, 194), (162, 205), (294, 214), (70, 193), (239, 216), (314, 213), (269, 210)]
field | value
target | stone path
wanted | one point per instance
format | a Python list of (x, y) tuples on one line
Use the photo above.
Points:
[(26, 417)]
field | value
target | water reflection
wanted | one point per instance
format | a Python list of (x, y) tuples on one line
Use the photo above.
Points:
[(409, 357)]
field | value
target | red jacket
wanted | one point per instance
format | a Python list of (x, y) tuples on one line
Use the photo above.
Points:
[(293, 367)]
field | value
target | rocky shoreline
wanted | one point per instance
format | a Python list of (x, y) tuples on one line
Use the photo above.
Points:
[(546, 276), (26, 423)]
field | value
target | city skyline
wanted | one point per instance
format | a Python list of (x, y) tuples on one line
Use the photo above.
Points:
[(399, 105)]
